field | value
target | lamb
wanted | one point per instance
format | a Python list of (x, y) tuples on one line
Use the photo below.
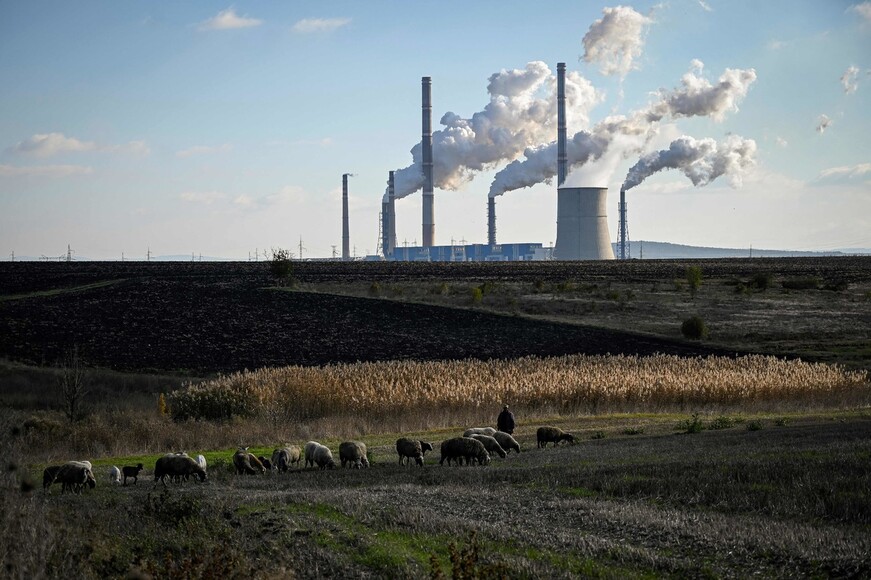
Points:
[(320, 455), (554, 435), (173, 465), (506, 441), (49, 474), (354, 454), (479, 431), (284, 456), (131, 471), (409, 448), (490, 444), (201, 461), (74, 476), (460, 448), (267, 464), (114, 476), (246, 463)]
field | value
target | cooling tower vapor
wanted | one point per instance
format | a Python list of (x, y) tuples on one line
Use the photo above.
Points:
[(521, 113), (697, 97), (616, 40), (701, 160)]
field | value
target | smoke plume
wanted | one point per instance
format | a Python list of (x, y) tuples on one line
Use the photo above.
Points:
[(521, 113), (697, 97), (823, 123), (701, 160), (615, 41), (850, 79)]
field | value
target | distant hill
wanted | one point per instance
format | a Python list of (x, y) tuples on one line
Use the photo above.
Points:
[(664, 250)]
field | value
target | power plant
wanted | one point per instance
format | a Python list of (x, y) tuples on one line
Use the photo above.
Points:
[(582, 227)]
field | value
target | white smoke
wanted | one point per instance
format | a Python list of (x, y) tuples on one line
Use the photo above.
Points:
[(521, 113), (823, 123), (850, 79), (616, 40), (697, 97), (701, 160)]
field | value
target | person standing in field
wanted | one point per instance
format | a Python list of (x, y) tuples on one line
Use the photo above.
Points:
[(505, 422)]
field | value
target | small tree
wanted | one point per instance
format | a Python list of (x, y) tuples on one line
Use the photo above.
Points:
[(694, 328), (694, 279), (162, 407), (71, 385), (281, 265)]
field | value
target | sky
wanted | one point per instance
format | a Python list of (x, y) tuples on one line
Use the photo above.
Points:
[(223, 130)]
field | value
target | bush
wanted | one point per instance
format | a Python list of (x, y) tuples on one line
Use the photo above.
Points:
[(722, 423), (633, 431), (692, 425), (598, 435), (375, 289), (694, 328), (801, 283), (281, 266), (754, 426), (477, 295), (761, 280), (694, 279)]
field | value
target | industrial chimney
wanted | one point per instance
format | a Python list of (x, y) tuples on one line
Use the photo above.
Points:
[(391, 212), (491, 222), (346, 235), (582, 224), (426, 147), (385, 227), (561, 157), (623, 228)]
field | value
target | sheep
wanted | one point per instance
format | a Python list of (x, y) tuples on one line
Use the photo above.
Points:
[(49, 474), (490, 444), (554, 435), (246, 463), (114, 475), (479, 431), (173, 465), (201, 461), (409, 448), (320, 455), (74, 476), (132, 471), (284, 456), (267, 464), (464, 448), (354, 454), (506, 441)]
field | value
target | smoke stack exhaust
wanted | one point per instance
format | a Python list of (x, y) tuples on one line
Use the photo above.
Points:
[(346, 235), (582, 224), (426, 147), (561, 157), (491, 222)]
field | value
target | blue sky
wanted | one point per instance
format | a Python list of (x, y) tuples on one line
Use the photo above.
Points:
[(217, 128)]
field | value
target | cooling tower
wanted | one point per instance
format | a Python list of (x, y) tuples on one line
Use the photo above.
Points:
[(426, 150), (491, 221), (561, 157), (346, 236), (582, 224)]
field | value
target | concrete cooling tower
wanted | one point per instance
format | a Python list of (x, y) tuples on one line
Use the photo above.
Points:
[(582, 224)]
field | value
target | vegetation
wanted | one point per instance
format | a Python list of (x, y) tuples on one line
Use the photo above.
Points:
[(694, 279), (694, 328), (281, 266)]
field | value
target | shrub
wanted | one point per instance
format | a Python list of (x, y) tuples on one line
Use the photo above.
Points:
[(598, 435), (633, 431), (811, 283), (694, 328), (375, 289), (477, 295), (836, 285), (691, 425), (162, 407), (722, 423), (781, 422), (761, 280), (693, 277), (754, 425), (281, 266), (486, 288), (444, 289)]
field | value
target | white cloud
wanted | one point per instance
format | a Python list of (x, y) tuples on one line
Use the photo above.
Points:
[(289, 194), (310, 25), (204, 150), (48, 144), (229, 20), (775, 44), (850, 79), (205, 197), (781, 142), (823, 123), (44, 170), (705, 6), (863, 10), (845, 174), (131, 148), (616, 40)]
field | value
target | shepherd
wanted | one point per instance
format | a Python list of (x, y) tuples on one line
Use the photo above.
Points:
[(505, 422)]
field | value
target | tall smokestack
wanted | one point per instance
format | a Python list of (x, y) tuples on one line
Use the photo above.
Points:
[(346, 235), (623, 227), (491, 221), (426, 146), (385, 228), (391, 212), (561, 158)]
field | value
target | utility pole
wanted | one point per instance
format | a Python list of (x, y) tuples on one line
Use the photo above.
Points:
[(69, 257), (334, 251), (148, 255), (301, 248), (13, 255)]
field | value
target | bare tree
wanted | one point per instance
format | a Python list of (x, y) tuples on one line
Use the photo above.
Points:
[(72, 386)]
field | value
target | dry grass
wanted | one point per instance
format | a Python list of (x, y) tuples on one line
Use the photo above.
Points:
[(566, 385)]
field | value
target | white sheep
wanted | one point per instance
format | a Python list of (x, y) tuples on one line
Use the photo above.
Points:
[(114, 475), (320, 455), (479, 431), (201, 461), (354, 454)]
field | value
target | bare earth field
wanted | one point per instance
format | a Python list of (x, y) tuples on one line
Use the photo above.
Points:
[(773, 488)]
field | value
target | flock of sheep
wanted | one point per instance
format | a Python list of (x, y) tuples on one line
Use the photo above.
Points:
[(474, 447)]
